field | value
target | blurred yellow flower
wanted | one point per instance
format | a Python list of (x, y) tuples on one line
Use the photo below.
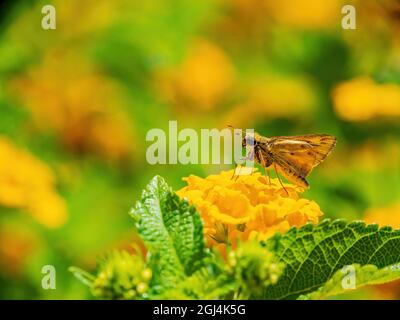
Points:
[(91, 17), (243, 19), (95, 15), (17, 242), (66, 95), (249, 19), (246, 207), (306, 14), (28, 184), (385, 216), (370, 156), (201, 81), (272, 97), (363, 99)]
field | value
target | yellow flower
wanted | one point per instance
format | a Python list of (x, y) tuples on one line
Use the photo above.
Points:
[(306, 14), (385, 216), (243, 19), (273, 97), (66, 95), (362, 99), (17, 243), (247, 206), (249, 19), (28, 184), (370, 156), (202, 80)]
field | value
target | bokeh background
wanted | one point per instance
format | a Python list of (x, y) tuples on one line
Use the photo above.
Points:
[(76, 104)]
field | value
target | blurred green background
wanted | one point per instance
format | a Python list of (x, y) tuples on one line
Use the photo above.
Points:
[(76, 104)]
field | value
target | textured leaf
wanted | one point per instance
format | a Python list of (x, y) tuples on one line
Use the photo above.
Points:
[(314, 253), (364, 275), (172, 231)]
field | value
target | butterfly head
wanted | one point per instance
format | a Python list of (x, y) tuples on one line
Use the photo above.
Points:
[(248, 140)]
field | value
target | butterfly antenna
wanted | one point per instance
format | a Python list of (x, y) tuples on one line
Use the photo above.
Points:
[(231, 127), (242, 132)]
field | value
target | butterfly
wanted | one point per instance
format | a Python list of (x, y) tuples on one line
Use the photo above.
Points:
[(292, 156)]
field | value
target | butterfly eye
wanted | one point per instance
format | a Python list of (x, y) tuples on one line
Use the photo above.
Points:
[(248, 141)]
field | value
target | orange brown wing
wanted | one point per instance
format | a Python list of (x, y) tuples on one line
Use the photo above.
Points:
[(296, 156)]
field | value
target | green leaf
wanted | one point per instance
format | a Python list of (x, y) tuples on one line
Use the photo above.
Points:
[(172, 231), (364, 275), (314, 253)]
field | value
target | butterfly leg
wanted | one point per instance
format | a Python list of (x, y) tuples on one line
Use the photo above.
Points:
[(250, 156), (264, 165), (237, 175), (266, 172), (252, 170), (234, 175), (234, 171), (276, 172)]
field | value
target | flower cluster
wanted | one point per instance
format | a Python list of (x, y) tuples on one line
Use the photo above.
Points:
[(254, 268), (247, 206), (27, 183), (122, 276)]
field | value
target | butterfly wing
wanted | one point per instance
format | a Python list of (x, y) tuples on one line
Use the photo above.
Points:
[(296, 156), (290, 172)]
